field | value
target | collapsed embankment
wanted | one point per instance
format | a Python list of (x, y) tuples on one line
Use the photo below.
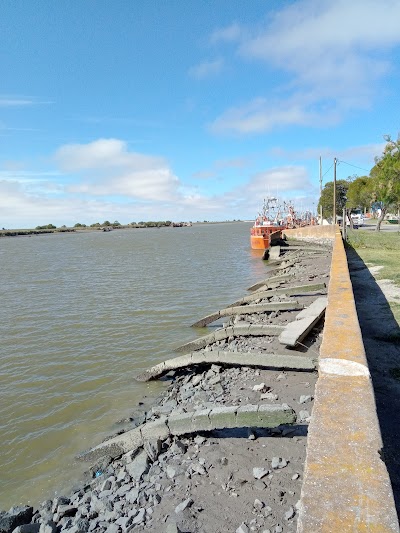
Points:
[(224, 448)]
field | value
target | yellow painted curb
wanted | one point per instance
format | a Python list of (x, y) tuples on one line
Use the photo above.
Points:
[(346, 485)]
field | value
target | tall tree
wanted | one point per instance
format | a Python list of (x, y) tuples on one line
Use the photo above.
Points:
[(386, 177), (360, 193), (326, 199)]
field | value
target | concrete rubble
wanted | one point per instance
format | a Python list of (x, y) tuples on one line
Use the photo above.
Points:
[(223, 448)]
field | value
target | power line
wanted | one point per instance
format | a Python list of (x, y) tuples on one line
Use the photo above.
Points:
[(328, 170), (350, 165)]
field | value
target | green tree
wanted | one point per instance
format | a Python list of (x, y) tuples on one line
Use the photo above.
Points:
[(386, 178), (95, 225), (326, 199), (106, 223), (79, 225), (359, 193)]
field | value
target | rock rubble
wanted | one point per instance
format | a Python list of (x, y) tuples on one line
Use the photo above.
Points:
[(235, 478)]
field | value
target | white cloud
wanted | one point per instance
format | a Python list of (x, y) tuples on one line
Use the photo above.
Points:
[(20, 101), (262, 115), (279, 180), (288, 183), (104, 180), (228, 34), (109, 168), (206, 69), (334, 52)]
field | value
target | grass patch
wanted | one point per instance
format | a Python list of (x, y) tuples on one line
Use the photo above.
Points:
[(379, 249), (373, 240)]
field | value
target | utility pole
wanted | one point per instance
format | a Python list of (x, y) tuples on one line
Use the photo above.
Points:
[(320, 188), (334, 190)]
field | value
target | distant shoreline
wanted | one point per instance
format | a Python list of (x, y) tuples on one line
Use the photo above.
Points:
[(31, 232)]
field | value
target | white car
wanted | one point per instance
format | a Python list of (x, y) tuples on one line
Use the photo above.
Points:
[(357, 219)]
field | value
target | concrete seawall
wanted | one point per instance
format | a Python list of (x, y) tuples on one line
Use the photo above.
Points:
[(346, 485)]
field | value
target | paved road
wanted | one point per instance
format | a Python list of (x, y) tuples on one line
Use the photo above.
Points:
[(384, 227)]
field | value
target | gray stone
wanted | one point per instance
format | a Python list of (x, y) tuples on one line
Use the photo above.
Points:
[(214, 380), (106, 485), (290, 513), (258, 505), (262, 387), (122, 473), (183, 505), (113, 528), (178, 447), (123, 521), (27, 528), (269, 396), (132, 495), (197, 379), (278, 462), (259, 472), (305, 398), (171, 472), (259, 485), (82, 525), (48, 527), (139, 518), (303, 416), (139, 466), (16, 516), (152, 448), (66, 510), (60, 500), (242, 528)]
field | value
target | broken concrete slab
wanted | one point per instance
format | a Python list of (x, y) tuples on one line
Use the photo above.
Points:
[(225, 417), (131, 440), (270, 280), (261, 360), (315, 309), (248, 310), (224, 333), (295, 331), (289, 291)]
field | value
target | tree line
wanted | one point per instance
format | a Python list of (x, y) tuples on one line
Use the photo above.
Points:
[(379, 191), (115, 224)]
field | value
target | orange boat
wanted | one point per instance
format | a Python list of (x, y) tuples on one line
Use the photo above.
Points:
[(267, 226)]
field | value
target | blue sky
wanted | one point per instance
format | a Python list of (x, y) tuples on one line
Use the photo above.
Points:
[(188, 109)]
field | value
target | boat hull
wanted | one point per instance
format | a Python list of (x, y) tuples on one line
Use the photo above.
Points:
[(258, 242), (261, 237)]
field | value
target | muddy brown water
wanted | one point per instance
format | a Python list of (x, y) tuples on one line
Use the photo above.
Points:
[(80, 315)]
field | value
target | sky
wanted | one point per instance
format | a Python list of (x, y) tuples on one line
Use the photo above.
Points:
[(138, 110)]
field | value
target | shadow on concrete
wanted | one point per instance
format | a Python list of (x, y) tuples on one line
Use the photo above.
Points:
[(295, 430), (381, 337)]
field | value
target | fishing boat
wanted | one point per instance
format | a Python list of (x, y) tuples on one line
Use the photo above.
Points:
[(267, 226)]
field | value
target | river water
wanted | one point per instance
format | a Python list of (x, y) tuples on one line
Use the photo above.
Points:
[(80, 315)]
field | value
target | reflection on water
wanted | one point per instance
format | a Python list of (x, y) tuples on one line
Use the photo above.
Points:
[(80, 315)]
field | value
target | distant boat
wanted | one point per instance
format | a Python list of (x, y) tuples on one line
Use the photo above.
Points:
[(267, 226)]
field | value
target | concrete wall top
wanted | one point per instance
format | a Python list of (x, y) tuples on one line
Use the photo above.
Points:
[(346, 485), (311, 232)]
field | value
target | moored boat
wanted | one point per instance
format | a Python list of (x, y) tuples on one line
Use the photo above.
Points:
[(267, 226)]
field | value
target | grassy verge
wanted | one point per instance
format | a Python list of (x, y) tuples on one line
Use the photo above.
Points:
[(380, 249)]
